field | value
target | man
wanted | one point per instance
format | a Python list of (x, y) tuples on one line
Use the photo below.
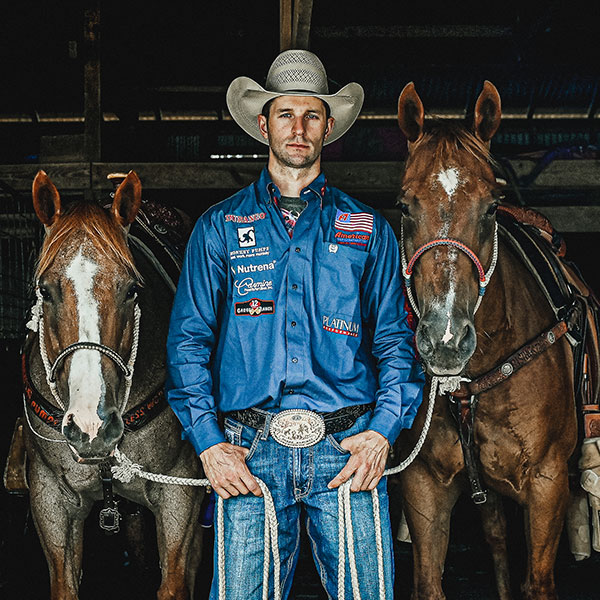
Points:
[(289, 321)]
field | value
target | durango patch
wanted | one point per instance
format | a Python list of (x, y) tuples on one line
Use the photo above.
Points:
[(254, 308)]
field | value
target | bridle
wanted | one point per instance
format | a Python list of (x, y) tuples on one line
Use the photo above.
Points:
[(37, 323), (408, 266)]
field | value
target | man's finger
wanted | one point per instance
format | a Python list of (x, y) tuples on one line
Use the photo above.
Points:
[(343, 475), (251, 483)]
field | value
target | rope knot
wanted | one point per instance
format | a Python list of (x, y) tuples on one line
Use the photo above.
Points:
[(125, 470), (447, 385)]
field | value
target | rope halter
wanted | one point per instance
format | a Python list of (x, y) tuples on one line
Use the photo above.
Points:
[(408, 266)]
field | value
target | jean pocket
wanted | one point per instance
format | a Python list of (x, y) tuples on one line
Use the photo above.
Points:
[(336, 444), (250, 440), (233, 431)]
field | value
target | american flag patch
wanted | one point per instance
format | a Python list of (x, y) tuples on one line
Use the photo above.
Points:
[(354, 221)]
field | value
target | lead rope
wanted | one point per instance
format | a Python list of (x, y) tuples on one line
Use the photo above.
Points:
[(126, 470)]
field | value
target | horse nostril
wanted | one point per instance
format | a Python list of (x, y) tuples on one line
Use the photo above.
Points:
[(424, 342), (113, 426), (467, 339)]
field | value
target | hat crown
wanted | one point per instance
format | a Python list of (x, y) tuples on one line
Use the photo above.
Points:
[(297, 71)]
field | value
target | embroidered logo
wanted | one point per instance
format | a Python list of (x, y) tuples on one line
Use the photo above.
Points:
[(340, 326), (254, 308), (352, 239), (354, 221), (246, 218), (248, 285), (333, 248), (246, 237), (253, 268)]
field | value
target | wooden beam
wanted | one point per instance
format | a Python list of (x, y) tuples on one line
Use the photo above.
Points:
[(92, 111), (285, 25), (412, 31), (301, 24)]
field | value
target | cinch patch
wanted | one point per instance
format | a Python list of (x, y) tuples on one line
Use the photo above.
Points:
[(354, 221), (246, 236), (254, 308)]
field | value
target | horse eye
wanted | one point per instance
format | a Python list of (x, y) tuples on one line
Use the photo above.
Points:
[(45, 293), (403, 207), (132, 292), (492, 209)]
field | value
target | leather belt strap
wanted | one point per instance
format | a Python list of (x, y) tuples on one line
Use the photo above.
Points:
[(513, 363), (336, 421)]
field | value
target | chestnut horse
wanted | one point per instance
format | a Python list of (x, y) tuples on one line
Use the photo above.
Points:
[(96, 309), (524, 428)]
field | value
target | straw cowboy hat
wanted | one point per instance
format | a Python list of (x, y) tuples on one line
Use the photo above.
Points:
[(293, 73)]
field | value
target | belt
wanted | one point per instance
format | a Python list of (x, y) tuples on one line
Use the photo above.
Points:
[(300, 428)]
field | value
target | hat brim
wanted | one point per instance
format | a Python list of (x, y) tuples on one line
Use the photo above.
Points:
[(246, 98)]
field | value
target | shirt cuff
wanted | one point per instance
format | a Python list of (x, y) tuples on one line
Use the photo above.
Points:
[(205, 434)]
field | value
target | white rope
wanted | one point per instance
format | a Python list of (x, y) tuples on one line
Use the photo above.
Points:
[(126, 470)]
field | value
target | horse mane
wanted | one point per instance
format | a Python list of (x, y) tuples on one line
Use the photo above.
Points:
[(106, 235), (450, 136)]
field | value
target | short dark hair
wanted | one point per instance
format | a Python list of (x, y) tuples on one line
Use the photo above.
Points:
[(266, 109)]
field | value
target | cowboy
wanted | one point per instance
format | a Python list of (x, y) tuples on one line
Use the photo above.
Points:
[(289, 323)]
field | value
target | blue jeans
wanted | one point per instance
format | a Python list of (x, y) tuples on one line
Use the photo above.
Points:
[(298, 477)]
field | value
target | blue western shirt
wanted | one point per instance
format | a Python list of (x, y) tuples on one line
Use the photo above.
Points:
[(317, 321)]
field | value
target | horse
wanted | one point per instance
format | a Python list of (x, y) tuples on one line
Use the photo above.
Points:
[(98, 307), (478, 304)]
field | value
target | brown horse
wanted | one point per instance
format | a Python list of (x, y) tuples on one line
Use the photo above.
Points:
[(96, 309), (524, 428)]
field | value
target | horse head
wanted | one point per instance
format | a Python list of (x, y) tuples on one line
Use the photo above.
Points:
[(86, 284), (449, 237)]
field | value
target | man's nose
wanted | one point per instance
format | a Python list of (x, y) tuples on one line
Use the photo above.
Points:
[(298, 126)]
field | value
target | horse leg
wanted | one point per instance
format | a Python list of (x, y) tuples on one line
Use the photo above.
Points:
[(60, 530), (545, 510), (494, 528), (179, 538), (428, 505)]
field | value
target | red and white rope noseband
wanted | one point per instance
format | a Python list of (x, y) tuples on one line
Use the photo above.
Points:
[(408, 267)]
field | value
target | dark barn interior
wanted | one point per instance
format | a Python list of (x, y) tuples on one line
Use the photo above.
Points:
[(94, 87)]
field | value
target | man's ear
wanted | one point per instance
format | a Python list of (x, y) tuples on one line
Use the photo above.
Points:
[(329, 128), (263, 126)]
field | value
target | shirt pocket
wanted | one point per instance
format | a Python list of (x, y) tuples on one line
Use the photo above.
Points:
[(338, 278)]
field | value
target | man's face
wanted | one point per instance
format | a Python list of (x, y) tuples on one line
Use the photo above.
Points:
[(296, 129)]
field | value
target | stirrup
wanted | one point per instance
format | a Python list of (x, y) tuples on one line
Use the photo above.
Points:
[(15, 471)]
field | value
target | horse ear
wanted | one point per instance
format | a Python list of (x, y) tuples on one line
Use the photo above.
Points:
[(411, 113), (488, 112), (128, 199), (46, 199)]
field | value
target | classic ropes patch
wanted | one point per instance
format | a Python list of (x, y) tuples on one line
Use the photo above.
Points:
[(254, 308)]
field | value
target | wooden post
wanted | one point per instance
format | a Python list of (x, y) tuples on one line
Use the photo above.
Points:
[(92, 111), (301, 24), (285, 25)]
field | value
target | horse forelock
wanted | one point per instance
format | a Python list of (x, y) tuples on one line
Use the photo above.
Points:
[(95, 225)]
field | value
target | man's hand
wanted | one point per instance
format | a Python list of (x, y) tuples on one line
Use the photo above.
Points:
[(369, 451), (225, 467)]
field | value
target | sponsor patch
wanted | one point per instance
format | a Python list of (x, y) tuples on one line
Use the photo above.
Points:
[(250, 252), (247, 285), (246, 237), (354, 221), (246, 218), (254, 308), (340, 326), (351, 238), (254, 268)]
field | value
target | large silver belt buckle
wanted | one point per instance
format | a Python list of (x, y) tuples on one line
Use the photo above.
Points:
[(297, 428)]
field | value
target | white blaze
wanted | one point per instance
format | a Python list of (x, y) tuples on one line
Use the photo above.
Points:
[(449, 180), (86, 385), (448, 335)]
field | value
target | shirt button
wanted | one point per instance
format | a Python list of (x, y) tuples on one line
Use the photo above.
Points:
[(290, 391), (294, 286), (293, 323), (297, 249), (294, 360)]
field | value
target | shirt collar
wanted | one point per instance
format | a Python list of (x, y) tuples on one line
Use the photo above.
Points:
[(314, 190)]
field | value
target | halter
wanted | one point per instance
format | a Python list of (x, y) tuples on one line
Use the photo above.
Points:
[(37, 324), (484, 277)]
